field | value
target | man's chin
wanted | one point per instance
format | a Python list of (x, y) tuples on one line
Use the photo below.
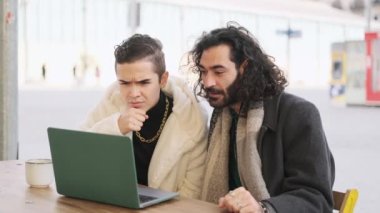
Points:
[(216, 104), (220, 103)]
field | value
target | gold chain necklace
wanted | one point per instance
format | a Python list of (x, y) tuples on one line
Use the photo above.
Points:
[(142, 139)]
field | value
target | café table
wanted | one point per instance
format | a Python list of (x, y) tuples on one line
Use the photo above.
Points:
[(16, 196)]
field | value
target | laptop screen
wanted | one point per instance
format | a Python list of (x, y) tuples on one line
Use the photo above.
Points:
[(99, 167)]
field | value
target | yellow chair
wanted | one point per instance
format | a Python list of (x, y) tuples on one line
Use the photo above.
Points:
[(345, 202)]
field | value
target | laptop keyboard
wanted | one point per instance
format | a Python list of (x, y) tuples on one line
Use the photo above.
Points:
[(144, 198)]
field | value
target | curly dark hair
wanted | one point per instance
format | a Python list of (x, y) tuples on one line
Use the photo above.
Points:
[(139, 47), (261, 77)]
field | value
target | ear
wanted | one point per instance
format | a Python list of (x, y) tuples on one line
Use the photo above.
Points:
[(243, 66), (164, 79)]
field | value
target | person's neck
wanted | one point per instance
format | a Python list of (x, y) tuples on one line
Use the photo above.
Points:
[(158, 109)]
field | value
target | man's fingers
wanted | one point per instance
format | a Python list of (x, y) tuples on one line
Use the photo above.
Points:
[(239, 200), (228, 202), (221, 202), (139, 114), (132, 119)]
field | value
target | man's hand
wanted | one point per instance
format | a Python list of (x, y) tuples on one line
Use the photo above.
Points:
[(131, 119), (240, 200)]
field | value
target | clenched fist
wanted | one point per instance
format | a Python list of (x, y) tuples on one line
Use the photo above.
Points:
[(131, 119)]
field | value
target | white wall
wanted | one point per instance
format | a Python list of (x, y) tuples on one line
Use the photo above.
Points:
[(58, 34)]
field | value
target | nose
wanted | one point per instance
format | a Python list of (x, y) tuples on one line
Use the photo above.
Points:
[(134, 92), (208, 80)]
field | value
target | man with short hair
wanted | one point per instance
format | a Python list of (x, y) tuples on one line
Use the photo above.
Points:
[(160, 113), (267, 148)]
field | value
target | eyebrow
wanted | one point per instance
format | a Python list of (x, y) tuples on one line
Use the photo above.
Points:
[(141, 81), (214, 67), (217, 67)]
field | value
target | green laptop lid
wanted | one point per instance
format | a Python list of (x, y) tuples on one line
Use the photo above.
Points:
[(94, 166)]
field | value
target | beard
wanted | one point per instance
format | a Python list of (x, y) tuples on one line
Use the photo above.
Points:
[(225, 98)]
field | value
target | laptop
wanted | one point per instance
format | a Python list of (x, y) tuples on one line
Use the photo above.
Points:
[(99, 167)]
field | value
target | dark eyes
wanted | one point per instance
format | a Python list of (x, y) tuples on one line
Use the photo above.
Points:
[(123, 83), (216, 72)]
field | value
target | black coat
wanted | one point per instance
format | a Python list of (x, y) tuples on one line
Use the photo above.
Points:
[(297, 165)]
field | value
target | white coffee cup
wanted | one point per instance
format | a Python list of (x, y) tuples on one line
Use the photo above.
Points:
[(39, 172)]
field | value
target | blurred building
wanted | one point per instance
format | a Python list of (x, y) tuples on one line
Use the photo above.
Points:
[(357, 6), (376, 10), (73, 40)]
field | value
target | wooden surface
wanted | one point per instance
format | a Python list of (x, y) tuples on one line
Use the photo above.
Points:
[(17, 196)]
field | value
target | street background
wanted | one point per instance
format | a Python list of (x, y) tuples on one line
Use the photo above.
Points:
[(352, 132)]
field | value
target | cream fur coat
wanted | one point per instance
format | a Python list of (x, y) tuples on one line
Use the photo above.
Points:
[(178, 160)]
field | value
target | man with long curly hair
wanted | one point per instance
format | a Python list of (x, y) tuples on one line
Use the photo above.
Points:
[(267, 148)]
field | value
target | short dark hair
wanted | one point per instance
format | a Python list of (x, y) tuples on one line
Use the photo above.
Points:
[(261, 77), (139, 47)]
